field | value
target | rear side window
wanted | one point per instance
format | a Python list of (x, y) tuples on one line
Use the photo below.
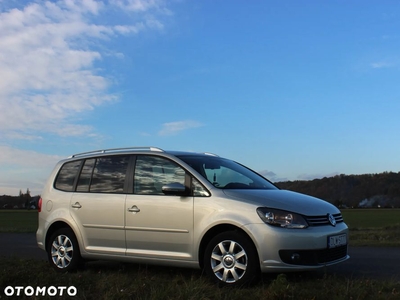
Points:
[(97, 175), (109, 174), (66, 177), (86, 176)]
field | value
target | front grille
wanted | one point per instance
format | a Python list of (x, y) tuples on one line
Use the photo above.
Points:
[(323, 220), (313, 257)]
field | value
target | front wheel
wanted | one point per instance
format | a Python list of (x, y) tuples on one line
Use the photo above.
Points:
[(63, 250), (231, 259)]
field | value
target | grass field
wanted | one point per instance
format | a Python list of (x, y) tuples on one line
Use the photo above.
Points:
[(18, 220), (373, 227), (371, 218)]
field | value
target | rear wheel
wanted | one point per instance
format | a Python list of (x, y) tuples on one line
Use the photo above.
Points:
[(231, 259), (63, 250)]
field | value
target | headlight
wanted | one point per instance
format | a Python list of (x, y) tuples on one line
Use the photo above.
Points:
[(281, 218)]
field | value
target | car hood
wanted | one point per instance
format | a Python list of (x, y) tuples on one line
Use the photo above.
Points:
[(286, 200)]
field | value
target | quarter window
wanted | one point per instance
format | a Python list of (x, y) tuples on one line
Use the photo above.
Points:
[(198, 189), (66, 177)]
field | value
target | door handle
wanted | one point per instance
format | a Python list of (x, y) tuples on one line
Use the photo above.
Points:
[(134, 209), (76, 205)]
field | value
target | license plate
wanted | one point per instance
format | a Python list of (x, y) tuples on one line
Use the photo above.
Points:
[(337, 240)]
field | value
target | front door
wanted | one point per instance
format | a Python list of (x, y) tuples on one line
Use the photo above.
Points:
[(157, 225)]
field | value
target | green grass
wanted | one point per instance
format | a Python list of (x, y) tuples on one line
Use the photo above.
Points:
[(18, 220), (373, 227), (132, 281), (371, 218)]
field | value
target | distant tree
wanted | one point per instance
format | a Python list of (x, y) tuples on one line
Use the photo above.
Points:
[(350, 190), (27, 197)]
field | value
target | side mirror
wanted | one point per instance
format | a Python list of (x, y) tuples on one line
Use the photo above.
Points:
[(175, 188)]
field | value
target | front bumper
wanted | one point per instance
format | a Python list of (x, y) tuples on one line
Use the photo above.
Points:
[(282, 250), (313, 257)]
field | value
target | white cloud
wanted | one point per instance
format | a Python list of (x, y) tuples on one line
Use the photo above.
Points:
[(380, 65), (388, 62), (140, 5), (49, 74), (271, 176), (10, 156), (22, 169), (173, 128), (267, 173), (48, 59)]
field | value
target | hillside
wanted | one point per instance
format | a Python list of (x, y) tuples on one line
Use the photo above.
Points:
[(368, 190)]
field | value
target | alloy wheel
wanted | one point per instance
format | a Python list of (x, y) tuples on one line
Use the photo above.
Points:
[(62, 251), (229, 261)]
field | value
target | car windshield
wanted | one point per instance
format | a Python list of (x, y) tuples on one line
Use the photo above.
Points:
[(226, 174)]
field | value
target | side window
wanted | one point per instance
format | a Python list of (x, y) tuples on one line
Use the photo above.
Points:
[(108, 174), (66, 177), (152, 172), (198, 189), (86, 176)]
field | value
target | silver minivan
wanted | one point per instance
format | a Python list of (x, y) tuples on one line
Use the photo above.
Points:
[(199, 210)]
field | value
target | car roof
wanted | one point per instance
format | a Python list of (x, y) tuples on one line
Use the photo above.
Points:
[(134, 150), (188, 153)]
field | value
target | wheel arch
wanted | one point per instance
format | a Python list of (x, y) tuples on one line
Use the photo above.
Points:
[(217, 230), (56, 226)]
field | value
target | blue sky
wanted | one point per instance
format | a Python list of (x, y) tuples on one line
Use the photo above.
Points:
[(293, 89)]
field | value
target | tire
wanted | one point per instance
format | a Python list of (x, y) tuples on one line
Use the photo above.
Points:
[(63, 250), (230, 259)]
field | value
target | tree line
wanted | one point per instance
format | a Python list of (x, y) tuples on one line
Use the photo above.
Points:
[(23, 200), (368, 190)]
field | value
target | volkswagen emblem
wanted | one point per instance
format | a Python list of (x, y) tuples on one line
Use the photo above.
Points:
[(331, 219)]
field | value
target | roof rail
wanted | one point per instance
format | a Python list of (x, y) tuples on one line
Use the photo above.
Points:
[(113, 150), (211, 154)]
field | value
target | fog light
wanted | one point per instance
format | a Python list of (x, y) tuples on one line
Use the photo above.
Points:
[(295, 257)]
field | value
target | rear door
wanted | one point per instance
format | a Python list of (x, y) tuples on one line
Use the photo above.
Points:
[(98, 204), (158, 225)]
